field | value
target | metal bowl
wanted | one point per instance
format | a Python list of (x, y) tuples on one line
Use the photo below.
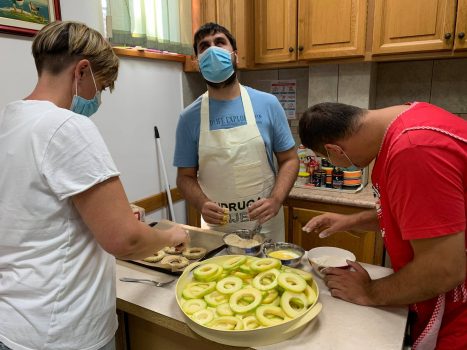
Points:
[(245, 235), (273, 247)]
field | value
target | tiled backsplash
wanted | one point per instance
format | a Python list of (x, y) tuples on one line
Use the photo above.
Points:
[(366, 84)]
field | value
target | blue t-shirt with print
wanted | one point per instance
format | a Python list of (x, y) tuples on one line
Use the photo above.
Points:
[(225, 114)]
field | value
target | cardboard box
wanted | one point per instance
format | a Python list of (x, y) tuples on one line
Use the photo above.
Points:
[(138, 212)]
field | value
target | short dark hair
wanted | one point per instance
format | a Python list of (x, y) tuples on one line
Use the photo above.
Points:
[(59, 44), (328, 122), (210, 29)]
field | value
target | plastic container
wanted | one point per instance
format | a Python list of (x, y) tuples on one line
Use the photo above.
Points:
[(303, 178)]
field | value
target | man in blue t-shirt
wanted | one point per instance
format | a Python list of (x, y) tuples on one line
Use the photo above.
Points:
[(227, 142)]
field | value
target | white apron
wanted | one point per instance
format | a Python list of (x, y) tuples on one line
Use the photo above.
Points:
[(234, 171)]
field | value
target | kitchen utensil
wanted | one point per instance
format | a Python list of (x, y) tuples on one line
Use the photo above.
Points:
[(144, 280), (164, 172), (287, 247), (246, 338), (244, 237)]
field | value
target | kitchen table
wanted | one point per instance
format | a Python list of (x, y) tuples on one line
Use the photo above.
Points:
[(152, 319)]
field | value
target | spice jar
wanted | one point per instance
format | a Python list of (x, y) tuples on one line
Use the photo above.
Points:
[(337, 178)]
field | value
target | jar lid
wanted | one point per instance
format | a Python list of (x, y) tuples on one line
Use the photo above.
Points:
[(303, 174)]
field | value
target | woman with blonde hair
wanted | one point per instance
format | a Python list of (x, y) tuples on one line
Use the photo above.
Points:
[(64, 215)]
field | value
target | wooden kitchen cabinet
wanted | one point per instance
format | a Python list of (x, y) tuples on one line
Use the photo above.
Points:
[(460, 40), (402, 26), (236, 16), (366, 245), (290, 30), (275, 31)]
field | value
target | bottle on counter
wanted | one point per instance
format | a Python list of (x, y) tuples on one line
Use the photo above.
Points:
[(325, 163), (303, 178), (337, 178), (316, 179), (323, 178), (328, 172)]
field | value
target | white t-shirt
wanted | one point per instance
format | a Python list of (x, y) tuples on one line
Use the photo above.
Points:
[(57, 285)]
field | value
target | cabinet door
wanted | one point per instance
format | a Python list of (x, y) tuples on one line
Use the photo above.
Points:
[(236, 16), (220, 12), (413, 26), (361, 243), (275, 31), (460, 40), (208, 11), (331, 28)]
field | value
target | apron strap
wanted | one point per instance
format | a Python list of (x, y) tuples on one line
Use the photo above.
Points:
[(427, 340), (247, 108), (204, 118)]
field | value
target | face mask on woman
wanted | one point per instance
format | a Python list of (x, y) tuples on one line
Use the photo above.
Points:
[(84, 106), (216, 65)]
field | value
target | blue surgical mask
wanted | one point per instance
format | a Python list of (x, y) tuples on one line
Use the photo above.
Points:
[(216, 64), (84, 106)]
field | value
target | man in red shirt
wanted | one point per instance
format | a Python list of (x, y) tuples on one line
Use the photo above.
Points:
[(420, 184)]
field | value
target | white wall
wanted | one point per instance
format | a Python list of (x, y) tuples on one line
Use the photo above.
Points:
[(148, 93)]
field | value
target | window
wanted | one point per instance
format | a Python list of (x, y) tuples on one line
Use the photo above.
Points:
[(163, 25)]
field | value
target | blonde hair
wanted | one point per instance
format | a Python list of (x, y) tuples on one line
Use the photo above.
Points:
[(60, 44)]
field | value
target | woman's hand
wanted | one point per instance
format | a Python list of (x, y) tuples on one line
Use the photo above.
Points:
[(180, 238)]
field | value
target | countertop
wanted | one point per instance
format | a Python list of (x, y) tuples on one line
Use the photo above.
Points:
[(363, 199), (340, 325)]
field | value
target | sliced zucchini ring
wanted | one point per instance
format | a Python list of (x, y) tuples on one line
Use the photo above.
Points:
[(229, 285), (266, 280), (270, 296), (293, 304), (245, 300), (203, 316), (269, 315), (310, 295), (207, 272), (307, 276), (234, 262), (264, 264), (193, 305), (224, 310), (226, 323), (251, 322), (291, 282), (215, 298), (196, 290)]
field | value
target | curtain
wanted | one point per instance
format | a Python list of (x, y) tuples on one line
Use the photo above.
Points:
[(154, 24)]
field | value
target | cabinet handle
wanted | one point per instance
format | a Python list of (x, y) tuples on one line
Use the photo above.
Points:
[(447, 36), (295, 217), (291, 49), (300, 48), (461, 35)]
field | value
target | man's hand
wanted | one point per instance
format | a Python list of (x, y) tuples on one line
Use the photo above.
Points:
[(214, 214), (263, 210), (350, 285), (328, 224)]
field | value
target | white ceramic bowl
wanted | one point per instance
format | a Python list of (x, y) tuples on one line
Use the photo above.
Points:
[(247, 338), (322, 257)]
